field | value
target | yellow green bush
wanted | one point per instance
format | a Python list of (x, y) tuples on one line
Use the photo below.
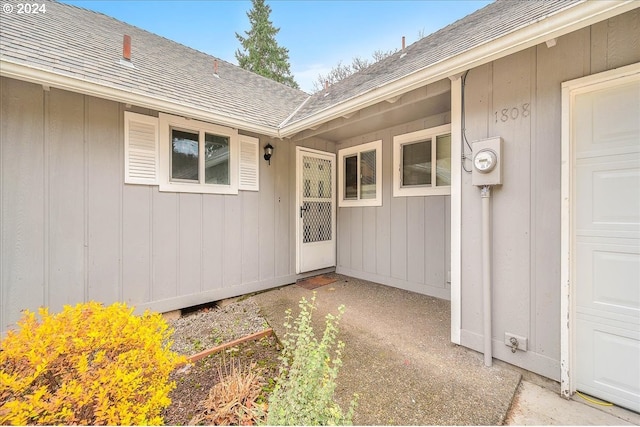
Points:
[(87, 365)]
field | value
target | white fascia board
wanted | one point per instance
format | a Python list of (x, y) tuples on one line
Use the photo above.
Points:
[(574, 18), (51, 79)]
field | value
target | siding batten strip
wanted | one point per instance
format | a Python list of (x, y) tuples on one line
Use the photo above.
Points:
[(85, 157), (3, 309), (223, 211), (533, 196), (178, 284), (201, 238), (47, 203), (121, 201), (151, 278)]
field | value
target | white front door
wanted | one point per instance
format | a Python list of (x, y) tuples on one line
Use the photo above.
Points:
[(315, 202), (605, 213)]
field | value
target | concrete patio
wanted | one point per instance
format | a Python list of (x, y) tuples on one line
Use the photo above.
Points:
[(400, 361)]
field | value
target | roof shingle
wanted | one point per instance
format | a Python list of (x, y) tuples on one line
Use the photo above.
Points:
[(87, 45), (483, 26)]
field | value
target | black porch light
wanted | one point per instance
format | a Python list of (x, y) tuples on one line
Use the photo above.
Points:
[(268, 151)]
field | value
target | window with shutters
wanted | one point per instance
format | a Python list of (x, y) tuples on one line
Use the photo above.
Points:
[(182, 155), (360, 175)]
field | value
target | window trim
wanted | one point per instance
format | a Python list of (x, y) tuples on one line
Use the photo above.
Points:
[(412, 137), (166, 123), (357, 150)]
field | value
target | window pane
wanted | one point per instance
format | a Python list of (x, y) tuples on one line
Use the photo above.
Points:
[(216, 154), (351, 178), (184, 155), (368, 175), (443, 160), (416, 163)]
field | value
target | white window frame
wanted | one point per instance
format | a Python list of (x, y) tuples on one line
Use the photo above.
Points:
[(167, 122), (357, 150), (413, 137)]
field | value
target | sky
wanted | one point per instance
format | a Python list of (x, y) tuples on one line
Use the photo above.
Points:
[(318, 34)]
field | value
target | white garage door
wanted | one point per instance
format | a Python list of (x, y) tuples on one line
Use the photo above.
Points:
[(606, 240)]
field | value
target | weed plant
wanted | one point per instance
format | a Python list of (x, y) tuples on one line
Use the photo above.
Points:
[(235, 400), (305, 387)]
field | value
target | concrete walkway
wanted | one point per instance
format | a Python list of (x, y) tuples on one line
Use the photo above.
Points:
[(538, 402), (399, 359)]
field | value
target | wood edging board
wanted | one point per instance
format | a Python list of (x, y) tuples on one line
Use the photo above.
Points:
[(213, 350)]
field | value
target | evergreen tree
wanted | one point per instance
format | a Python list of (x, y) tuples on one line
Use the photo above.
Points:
[(260, 51)]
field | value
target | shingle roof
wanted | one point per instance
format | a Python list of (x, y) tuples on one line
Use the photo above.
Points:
[(483, 26), (88, 45)]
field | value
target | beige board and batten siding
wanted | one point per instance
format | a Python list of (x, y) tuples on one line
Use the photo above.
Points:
[(72, 231), (519, 98), (404, 243)]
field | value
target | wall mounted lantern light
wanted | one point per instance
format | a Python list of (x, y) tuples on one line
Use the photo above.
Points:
[(268, 151)]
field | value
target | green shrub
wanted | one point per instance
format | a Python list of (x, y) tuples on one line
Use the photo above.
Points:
[(88, 365), (304, 390)]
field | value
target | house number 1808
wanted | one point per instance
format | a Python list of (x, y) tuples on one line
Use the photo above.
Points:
[(513, 113)]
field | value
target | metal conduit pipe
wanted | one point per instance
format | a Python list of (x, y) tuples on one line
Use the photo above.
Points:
[(485, 194)]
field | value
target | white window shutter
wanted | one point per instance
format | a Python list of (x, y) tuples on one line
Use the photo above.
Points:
[(249, 163), (141, 157)]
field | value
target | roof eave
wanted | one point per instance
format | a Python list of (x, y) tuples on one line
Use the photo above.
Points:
[(52, 79), (571, 19)]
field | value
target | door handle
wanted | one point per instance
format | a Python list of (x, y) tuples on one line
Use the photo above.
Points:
[(302, 209)]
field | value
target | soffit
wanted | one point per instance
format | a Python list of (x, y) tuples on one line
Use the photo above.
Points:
[(418, 104)]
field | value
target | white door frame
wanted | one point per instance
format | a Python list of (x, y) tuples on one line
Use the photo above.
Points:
[(300, 150), (567, 303)]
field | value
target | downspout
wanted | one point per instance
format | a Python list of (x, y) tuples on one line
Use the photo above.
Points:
[(485, 194)]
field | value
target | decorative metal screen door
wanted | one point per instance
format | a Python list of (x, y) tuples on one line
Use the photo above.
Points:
[(315, 203)]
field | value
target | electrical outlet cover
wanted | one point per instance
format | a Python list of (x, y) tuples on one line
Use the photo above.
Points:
[(522, 341)]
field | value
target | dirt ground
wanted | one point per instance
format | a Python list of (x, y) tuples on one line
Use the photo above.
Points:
[(194, 382), (210, 326)]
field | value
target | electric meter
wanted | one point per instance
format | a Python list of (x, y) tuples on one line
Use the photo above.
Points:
[(485, 161)]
